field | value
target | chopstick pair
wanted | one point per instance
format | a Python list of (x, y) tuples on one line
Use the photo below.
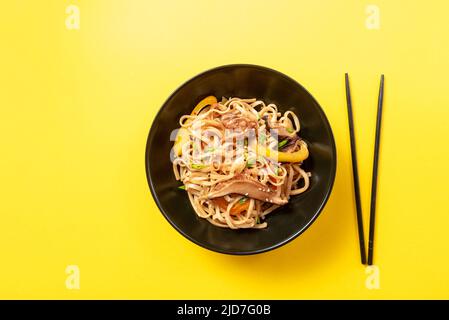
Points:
[(372, 220)]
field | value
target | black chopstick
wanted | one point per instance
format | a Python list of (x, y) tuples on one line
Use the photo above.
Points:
[(355, 173), (372, 219)]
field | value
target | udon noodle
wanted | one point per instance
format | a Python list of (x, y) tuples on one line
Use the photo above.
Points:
[(238, 160)]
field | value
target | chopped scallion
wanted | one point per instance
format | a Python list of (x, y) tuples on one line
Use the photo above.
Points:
[(282, 143)]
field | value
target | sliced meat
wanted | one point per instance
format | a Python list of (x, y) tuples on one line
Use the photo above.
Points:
[(248, 187), (281, 131), (283, 134), (233, 121)]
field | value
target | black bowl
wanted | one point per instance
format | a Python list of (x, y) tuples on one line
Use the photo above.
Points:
[(244, 81)]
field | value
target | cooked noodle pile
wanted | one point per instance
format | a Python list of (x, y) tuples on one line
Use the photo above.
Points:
[(238, 160)]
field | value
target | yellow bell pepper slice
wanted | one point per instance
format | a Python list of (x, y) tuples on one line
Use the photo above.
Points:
[(297, 156), (183, 134), (208, 101), (181, 138)]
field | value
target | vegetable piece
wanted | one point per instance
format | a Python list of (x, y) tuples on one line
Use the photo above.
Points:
[(210, 100), (251, 162), (236, 209), (198, 166), (181, 138), (282, 143), (297, 156), (278, 169), (182, 187), (183, 133)]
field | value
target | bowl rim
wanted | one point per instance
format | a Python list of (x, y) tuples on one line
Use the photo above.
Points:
[(278, 244)]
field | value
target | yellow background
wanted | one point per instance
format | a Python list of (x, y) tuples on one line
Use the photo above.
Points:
[(76, 107)]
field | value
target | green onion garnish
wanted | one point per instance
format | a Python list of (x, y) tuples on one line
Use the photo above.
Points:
[(250, 162), (282, 143), (243, 200), (257, 220), (182, 187), (290, 130), (198, 166)]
